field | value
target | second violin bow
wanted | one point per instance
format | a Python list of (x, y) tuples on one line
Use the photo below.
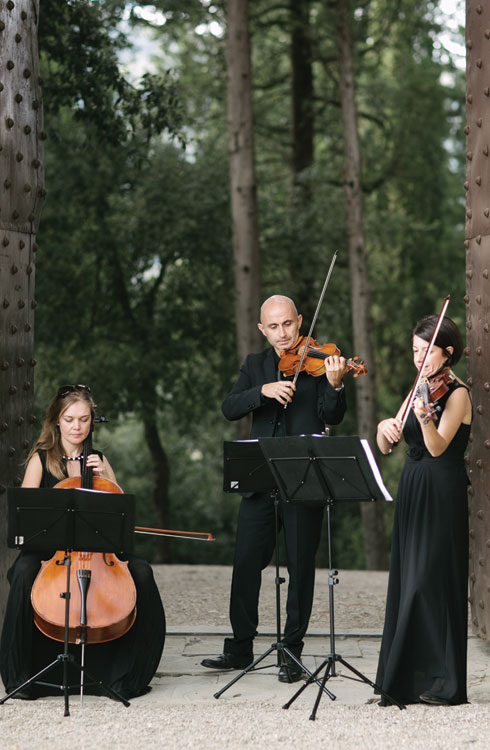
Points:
[(411, 398)]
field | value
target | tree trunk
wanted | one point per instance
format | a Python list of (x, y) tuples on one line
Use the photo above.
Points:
[(372, 513), (302, 155), (161, 479), (302, 117), (242, 180), (21, 197)]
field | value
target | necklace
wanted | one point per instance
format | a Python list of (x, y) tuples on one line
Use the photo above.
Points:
[(73, 458)]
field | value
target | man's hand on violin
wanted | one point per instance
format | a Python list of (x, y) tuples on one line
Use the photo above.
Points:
[(281, 390), (335, 369)]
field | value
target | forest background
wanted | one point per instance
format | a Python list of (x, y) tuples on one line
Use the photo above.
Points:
[(135, 269)]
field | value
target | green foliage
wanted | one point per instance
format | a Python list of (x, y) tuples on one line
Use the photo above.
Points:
[(140, 292), (79, 41)]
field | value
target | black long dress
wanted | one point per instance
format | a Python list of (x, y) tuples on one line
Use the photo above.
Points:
[(425, 631), (126, 664)]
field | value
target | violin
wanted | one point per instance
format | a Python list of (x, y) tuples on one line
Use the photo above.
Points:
[(313, 361), (431, 391), (103, 594)]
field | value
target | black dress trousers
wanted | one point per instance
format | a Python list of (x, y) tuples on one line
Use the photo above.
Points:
[(301, 525)]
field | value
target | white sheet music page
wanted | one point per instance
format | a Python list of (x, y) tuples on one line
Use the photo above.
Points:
[(375, 470)]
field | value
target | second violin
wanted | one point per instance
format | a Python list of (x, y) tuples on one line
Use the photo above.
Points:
[(314, 360), (433, 389)]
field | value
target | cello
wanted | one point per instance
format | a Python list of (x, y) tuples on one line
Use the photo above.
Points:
[(103, 598)]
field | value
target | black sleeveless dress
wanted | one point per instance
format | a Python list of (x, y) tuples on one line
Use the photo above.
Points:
[(425, 631), (126, 664)]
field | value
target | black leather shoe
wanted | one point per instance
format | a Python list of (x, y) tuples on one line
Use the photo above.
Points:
[(227, 661), (290, 671)]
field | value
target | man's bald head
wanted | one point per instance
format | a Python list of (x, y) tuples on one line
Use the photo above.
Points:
[(274, 300), (280, 322)]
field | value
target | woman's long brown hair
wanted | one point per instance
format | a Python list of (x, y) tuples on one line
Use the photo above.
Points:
[(50, 438)]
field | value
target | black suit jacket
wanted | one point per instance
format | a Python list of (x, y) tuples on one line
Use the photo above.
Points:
[(315, 403)]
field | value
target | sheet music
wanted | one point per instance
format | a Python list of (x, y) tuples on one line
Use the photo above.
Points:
[(375, 470)]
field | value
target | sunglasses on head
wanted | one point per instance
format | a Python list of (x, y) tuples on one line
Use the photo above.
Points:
[(64, 390)]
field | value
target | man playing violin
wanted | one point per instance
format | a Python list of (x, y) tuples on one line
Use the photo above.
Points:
[(312, 403)]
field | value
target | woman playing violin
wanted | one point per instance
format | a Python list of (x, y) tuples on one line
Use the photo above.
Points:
[(126, 664), (423, 652)]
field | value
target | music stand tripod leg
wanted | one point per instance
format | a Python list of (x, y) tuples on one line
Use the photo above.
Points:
[(94, 681), (244, 671), (329, 672), (312, 678), (32, 679), (365, 679)]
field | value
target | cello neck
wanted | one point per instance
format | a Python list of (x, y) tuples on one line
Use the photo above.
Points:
[(87, 474)]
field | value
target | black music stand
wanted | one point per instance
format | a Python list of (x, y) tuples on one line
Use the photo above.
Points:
[(246, 470), (44, 520), (317, 469)]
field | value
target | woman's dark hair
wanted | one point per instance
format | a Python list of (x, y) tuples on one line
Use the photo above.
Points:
[(448, 335)]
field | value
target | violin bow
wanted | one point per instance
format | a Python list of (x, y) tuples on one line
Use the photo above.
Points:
[(310, 332), (411, 398)]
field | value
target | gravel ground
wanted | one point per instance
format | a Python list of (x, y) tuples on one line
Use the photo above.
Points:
[(197, 597), (229, 726)]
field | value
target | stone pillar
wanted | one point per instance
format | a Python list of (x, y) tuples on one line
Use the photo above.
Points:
[(477, 243), (21, 196)]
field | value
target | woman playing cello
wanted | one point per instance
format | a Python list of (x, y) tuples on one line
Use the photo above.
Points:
[(126, 664)]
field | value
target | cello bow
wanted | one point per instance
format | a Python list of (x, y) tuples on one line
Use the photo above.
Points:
[(198, 536)]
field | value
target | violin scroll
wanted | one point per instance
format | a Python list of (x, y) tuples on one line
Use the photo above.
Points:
[(357, 366)]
